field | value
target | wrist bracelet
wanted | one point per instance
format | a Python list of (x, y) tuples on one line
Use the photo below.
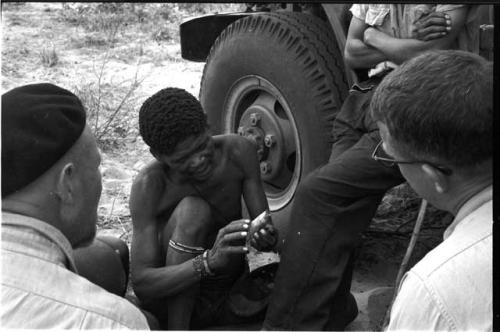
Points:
[(205, 263), (199, 266)]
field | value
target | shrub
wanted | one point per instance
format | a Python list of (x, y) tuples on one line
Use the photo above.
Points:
[(110, 106), (160, 20), (108, 103), (105, 18), (48, 57), (110, 109)]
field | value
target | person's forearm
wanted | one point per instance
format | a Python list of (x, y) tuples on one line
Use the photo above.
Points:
[(164, 281), (358, 55), (398, 50)]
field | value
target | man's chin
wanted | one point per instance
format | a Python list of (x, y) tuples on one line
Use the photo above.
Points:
[(201, 177)]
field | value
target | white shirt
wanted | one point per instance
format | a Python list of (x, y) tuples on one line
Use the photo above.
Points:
[(451, 287), (41, 290)]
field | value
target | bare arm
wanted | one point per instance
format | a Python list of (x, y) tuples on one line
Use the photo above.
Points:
[(359, 55), (400, 50), (253, 191), (431, 26), (254, 196), (150, 277)]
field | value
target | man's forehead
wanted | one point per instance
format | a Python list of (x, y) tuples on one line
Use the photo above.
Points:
[(191, 143)]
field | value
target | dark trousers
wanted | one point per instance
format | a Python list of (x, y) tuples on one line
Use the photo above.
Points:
[(333, 205)]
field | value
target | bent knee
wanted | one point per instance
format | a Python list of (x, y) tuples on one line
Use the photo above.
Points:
[(119, 247), (192, 217), (192, 208), (102, 265), (117, 244)]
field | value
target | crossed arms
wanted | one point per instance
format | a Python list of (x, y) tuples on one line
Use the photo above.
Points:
[(367, 46)]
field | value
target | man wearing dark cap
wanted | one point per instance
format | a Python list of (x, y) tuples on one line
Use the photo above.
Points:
[(189, 241), (51, 186)]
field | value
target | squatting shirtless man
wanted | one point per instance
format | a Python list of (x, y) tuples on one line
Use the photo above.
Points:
[(188, 241)]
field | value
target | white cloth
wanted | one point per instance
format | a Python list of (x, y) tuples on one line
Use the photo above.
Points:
[(451, 287), (40, 287)]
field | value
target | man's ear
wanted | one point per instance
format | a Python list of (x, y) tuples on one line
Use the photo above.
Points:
[(66, 183), (439, 180)]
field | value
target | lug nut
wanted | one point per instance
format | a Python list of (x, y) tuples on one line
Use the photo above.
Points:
[(269, 140), (241, 131), (265, 167), (254, 119)]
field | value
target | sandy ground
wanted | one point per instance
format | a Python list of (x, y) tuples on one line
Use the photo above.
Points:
[(27, 32)]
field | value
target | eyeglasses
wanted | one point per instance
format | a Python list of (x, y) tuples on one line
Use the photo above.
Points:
[(391, 162)]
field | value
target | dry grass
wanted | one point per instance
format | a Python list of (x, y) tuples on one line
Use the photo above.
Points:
[(111, 109)]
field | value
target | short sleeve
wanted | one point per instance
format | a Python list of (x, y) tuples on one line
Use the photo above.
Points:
[(359, 11), (372, 14)]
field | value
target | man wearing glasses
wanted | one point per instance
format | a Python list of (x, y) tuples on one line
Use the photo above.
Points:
[(439, 132), (381, 156)]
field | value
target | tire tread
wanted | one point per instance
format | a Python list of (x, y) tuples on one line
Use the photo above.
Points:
[(313, 46)]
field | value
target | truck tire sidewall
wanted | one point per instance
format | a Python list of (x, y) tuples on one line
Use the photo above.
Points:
[(254, 61), (248, 53)]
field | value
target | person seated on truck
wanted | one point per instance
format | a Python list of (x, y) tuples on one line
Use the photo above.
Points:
[(51, 186), (188, 244), (337, 201), (451, 287)]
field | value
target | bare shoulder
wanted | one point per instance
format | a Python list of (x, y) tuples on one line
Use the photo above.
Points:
[(237, 147), (147, 189), (239, 151), (150, 178)]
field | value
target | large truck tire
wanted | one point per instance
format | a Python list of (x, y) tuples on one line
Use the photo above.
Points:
[(277, 78)]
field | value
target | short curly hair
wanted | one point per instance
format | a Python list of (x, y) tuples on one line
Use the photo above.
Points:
[(170, 116)]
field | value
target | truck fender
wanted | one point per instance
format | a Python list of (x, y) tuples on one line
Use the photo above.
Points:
[(199, 34)]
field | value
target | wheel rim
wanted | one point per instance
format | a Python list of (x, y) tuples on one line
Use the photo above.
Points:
[(256, 109)]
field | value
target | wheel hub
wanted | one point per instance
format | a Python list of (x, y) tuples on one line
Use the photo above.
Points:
[(260, 125), (256, 109)]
